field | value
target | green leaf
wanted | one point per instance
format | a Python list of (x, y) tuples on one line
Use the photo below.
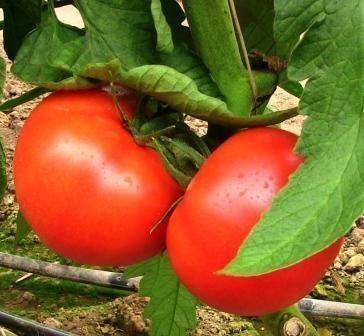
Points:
[(256, 18), (325, 195), (22, 228), (24, 98), (292, 87), (33, 61), (120, 35), (182, 93), (172, 309), (3, 178), (292, 19), (20, 17), (164, 33)]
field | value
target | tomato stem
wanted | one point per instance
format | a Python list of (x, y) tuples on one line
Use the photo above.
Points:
[(243, 48), (126, 122), (289, 321), (214, 35), (51, 7)]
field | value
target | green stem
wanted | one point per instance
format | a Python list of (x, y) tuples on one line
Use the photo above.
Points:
[(288, 322), (243, 48), (51, 7), (266, 82), (214, 35)]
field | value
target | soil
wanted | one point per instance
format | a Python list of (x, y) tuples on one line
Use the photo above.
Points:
[(88, 310)]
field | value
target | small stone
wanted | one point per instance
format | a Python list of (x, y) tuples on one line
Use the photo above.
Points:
[(355, 262), (337, 265), (53, 323), (360, 247), (8, 199), (346, 255), (357, 234)]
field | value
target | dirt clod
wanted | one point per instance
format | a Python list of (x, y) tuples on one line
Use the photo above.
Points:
[(27, 299), (355, 262)]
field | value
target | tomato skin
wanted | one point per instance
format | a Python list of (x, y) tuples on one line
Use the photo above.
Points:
[(86, 188), (222, 204)]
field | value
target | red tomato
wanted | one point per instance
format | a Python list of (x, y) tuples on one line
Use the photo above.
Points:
[(86, 188), (222, 204)]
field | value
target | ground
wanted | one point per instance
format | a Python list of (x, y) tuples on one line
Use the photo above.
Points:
[(89, 310)]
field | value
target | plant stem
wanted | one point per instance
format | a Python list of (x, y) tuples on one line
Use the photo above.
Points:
[(289, 322), (214, 35), (243, 48)]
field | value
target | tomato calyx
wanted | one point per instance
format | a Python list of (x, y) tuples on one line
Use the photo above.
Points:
[(158, 126)]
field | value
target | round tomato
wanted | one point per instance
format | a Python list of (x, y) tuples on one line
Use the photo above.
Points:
[(221, 206), (85, 187)]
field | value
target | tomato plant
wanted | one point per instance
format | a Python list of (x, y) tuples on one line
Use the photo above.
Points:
[(218, 212), (219, 61), (86, 188)]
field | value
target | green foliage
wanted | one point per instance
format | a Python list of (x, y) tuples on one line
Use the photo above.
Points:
[(164, 33), (172, 309), (22, 228), (34, 62), (3, 178), (326, 195), (20, 17), (130, 45), (256, 18)]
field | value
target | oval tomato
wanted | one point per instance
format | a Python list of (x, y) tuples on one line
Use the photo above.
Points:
[(87, 189), (222, 204)]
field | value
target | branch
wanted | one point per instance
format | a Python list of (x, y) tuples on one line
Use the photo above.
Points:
[(89, 276), (331, 309), (26, 327)]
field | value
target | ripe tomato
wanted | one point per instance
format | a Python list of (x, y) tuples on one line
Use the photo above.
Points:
[(222, 204), (87, 189)]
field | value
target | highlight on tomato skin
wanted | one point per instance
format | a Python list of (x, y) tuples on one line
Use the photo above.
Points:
[(220, 208), (86, 188)]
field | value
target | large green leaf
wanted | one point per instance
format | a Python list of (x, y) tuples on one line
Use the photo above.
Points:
[(123, 44), (20, 17), (33, 61), (120, 34), (256, 18), (172, 309), (3, 178), (326, 194)]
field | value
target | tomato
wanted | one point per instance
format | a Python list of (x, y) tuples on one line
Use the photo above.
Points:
[(86, 188), (225, 200)]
